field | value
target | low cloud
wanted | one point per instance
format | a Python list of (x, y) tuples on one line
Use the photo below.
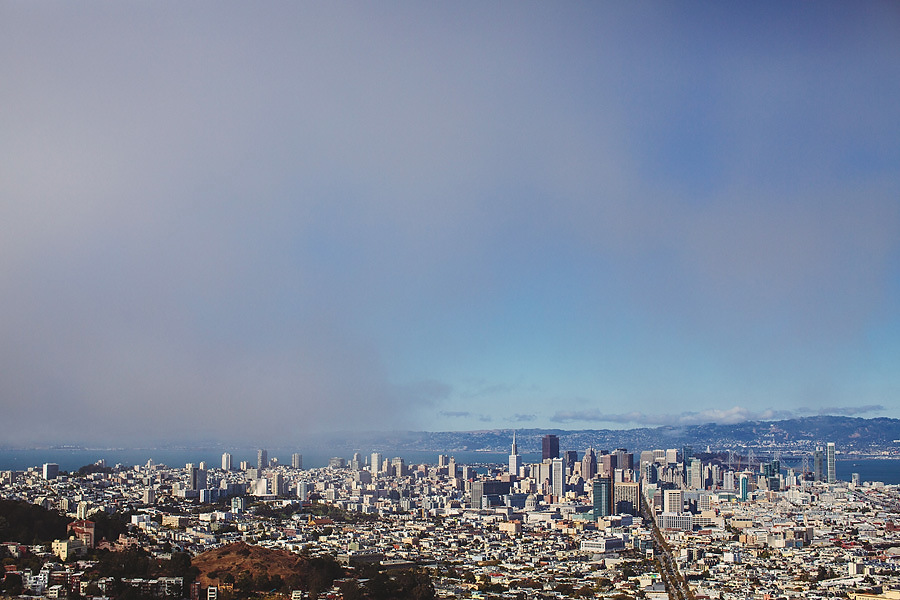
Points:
[(520, 418), (455, 414), (845, 411)]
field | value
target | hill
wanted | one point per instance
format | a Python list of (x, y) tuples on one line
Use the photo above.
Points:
[(253, 568), (849, 433)]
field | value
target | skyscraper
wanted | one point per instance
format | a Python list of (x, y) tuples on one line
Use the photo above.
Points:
[(51, 471), (226, 461), (830, 462), (375, 465), (673, 501), (589, 465), (607, 464), (744, 485), (515, 461), (819, 464), (297, 461), (603, 497), (262, 459), (549, 447), (627, 498), (695, 474), (570, 457), (558, 478), (197, 479)]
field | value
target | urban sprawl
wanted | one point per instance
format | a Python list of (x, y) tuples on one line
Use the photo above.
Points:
[(665, 523)]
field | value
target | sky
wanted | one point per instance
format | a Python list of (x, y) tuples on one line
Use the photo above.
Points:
[(245, 222)]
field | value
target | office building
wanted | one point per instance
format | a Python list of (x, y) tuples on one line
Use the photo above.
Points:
[(375, 464), (262, 459), (695, 474), (515, 461), (482, 491), (671, 456), (197, 478), (603, 497), (226, 461), (830, 464), (673, 501), (570, 457), (549, 447), (276, 483), (627, 498), (819, 464), (607, 464), (51, 471), (589, 465), (558, 478), (297, 460), (624, 459)]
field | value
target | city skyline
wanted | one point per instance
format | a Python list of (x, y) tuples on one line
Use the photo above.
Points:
[(445, 218)]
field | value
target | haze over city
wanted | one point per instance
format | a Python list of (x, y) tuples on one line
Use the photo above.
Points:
[(254, 222)]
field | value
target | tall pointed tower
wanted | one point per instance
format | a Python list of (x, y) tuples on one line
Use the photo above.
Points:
[(515, 461)]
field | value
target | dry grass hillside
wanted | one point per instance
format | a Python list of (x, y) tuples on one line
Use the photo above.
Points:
[(262, 569)]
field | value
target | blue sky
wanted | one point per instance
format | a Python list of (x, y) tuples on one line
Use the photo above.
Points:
[(256, 222)]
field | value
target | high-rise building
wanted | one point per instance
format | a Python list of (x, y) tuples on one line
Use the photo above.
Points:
[(673, 501), (650, 472), (477, 493), (624, 459), (276, 483), (558, 478), (515, 461), (549, 446), (607, 464), (695, 474), (603, 497), (830, 463), (744, 485), (671, 456), (297, 460), (728, 481), (375, 465), (570, 457), (51, 471), (627, 498), (226, 461), (262, 459), (819, 464), (589, 464), (197, 479)]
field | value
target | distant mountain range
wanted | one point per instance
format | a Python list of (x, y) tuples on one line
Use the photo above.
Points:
[(850, 434)]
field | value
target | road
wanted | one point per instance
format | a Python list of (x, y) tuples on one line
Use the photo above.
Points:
[(676, 585)]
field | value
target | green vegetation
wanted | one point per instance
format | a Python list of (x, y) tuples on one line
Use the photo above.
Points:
[(30, 524)]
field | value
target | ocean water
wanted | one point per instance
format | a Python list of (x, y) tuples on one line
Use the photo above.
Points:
[(70, 459)]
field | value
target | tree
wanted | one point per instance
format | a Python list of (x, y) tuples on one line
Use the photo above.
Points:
[(12, 584)]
